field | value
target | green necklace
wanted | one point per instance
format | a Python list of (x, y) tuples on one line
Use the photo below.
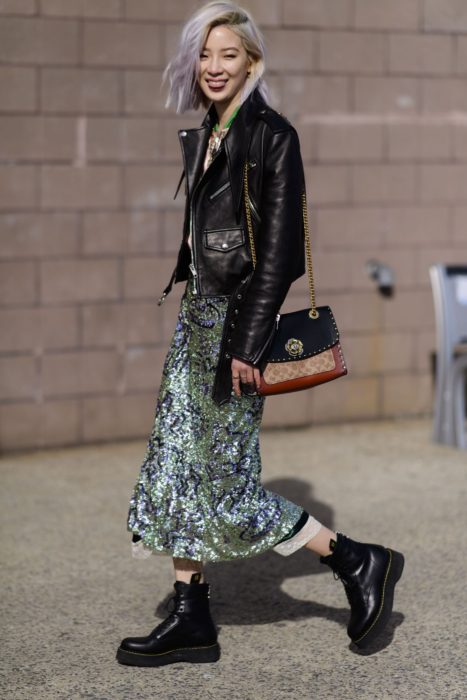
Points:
[(216, 126)]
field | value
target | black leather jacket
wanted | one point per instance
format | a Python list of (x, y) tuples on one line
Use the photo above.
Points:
[(215, 215)]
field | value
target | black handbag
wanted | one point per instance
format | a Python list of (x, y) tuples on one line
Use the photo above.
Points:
[(304, 349)]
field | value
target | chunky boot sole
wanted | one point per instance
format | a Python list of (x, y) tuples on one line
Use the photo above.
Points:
[(194, 655), (393, 573)]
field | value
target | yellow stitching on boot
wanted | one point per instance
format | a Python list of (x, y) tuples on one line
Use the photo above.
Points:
[(382, 601), (163, 653)]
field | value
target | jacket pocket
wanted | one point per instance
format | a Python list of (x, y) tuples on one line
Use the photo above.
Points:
[(219, 190), (224, 239), (254, 210)]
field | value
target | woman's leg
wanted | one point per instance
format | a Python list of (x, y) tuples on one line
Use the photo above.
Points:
[(185, 568), (319, 544)]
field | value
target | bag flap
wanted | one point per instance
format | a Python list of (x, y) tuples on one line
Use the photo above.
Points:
[(299, 336)]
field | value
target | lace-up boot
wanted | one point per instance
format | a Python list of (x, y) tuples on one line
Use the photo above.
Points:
[(187, 634), (369, 573)]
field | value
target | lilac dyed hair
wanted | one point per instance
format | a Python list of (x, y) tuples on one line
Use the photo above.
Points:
[(182, 71)]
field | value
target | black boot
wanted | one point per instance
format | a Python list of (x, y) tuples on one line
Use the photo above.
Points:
[(369, 573), (188, 633)]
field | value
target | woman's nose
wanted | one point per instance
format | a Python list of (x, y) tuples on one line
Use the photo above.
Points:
[(214, 66)]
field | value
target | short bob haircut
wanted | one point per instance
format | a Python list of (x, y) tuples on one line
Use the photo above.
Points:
[(182, 71)]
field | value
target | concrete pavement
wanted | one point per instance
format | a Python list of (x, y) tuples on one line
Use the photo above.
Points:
[(71, 591)]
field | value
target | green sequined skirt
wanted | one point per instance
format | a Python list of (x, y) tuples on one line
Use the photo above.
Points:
[(199, 493)]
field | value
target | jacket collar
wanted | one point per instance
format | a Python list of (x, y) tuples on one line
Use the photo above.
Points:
[(237, 140)]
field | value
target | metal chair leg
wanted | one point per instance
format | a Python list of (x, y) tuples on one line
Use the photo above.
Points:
[(460, 373)]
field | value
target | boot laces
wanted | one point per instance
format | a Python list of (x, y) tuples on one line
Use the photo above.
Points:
[(177, 607)]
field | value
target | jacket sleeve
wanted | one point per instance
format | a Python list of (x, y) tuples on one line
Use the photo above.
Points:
[(279, 247)]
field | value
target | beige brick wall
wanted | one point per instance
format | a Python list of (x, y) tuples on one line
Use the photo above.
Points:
[(89, 161)]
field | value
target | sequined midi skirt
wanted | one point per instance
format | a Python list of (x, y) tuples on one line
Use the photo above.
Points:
[(199, 493)]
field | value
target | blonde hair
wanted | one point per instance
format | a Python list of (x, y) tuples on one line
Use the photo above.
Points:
[(182, 71)]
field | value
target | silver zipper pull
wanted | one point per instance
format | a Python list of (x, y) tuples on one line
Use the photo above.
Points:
[(195, 275), (278, 318)]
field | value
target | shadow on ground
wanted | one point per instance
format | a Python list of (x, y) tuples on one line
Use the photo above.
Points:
[(250, 591)]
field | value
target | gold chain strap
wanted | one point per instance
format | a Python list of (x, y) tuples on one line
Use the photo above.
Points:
[(309, 263)]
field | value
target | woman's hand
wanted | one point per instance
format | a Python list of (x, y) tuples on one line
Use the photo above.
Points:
[(244, 373)]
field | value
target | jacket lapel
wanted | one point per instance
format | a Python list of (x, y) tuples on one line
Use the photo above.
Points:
[(194, 143), (237, 144)]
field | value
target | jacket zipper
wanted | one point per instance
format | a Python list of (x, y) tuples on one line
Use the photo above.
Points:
[(267, 343), (193, 268), (192, 265)]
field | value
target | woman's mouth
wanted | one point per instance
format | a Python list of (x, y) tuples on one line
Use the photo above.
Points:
[(216, 85)]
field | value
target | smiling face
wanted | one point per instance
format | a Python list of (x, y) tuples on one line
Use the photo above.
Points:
[(224, 64)]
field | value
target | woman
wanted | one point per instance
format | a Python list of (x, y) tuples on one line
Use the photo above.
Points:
[(199, 496)]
